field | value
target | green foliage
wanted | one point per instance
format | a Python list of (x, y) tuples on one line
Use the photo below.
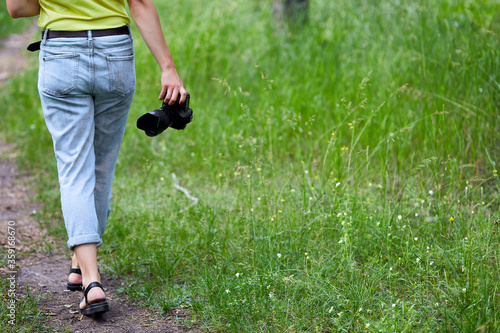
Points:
[(346, 173)]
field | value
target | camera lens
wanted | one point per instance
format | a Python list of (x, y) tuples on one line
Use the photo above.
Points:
[(154, 122)]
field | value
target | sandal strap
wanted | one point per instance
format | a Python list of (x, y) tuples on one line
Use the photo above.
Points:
[(78, 270), (75, 271), (90, 286)]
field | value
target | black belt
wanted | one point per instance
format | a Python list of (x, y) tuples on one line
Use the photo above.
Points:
[(83, 33)]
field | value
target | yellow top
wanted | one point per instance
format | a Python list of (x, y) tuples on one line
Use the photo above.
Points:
[(76, 15)]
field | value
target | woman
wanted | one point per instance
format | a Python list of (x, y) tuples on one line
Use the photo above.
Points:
[(86, 83)]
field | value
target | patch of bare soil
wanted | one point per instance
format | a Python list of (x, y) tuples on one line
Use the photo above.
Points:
[(45, 272), (46, 275)]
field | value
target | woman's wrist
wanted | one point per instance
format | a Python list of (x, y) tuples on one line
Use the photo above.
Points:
[(168, 68)]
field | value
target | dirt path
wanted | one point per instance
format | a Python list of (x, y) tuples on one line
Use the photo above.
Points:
[(45, 271)]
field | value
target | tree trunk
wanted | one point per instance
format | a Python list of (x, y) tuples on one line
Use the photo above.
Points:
[(294, 12)]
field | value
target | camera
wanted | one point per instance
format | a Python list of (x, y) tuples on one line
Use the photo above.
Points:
[(176, 116)]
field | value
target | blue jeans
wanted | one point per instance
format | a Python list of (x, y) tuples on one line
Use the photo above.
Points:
[(86, 87)]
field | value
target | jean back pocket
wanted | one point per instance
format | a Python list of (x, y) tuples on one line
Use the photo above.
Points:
[(121, 74), (59, 73)]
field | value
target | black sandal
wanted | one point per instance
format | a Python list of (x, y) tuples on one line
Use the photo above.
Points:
[(75, 286), (97, 307)]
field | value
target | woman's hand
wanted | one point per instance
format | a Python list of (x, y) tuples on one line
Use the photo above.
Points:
[(23, 8), (171, 86)]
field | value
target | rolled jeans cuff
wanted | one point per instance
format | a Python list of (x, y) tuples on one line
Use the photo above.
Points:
[(84, 239)]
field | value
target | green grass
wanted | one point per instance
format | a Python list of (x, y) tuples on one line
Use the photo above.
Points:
[(345, 170)]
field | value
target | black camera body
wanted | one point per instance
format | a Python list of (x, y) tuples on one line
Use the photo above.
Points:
[(176, 116)]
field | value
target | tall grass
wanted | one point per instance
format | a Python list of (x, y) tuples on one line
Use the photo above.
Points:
[(345, 170)]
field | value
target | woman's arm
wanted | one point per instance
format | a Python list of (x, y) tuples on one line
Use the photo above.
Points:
[(146, 18), (23, 8)]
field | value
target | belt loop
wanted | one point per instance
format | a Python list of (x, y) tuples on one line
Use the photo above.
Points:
[(89, 34), (44, 37), (129, 32)]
